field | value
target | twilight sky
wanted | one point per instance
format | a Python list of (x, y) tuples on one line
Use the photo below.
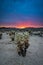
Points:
[(21, 13)]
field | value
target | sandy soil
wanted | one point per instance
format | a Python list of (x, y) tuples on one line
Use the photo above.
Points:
[(9, 56)]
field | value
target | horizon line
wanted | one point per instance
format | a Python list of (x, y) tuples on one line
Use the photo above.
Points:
[(21, 28)]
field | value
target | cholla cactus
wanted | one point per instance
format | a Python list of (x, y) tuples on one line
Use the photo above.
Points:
[(22, 37), (22, 40), (0, 35), (13, 32), (30, 32), (12, 35)]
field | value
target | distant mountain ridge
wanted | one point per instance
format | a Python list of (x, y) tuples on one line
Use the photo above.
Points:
[(29, 28)]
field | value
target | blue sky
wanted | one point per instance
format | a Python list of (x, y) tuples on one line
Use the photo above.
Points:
[(15, 11)]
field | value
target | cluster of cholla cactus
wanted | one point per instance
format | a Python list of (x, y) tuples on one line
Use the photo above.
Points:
[(0, 35), (22, 40)]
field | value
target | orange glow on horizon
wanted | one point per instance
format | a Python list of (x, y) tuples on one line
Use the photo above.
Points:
[(22, 25)]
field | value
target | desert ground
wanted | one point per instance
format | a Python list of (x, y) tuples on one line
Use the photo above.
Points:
[(9, 56)]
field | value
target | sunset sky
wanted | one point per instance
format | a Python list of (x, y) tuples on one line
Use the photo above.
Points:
[(21, 13)]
